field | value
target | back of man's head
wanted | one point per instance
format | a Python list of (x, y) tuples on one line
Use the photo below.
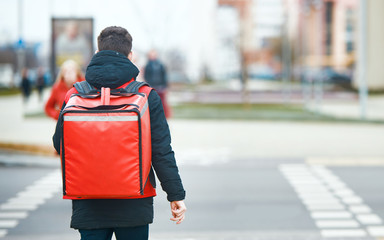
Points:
[(115, 38)]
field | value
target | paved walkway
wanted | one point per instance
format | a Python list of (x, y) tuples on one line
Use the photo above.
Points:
[(218, 141)]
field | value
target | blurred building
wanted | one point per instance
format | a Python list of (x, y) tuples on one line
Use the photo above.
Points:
[(374, 45), (326, 31), (316, 35), (327, 34), (249, 33), (228, 60), (268, 30)]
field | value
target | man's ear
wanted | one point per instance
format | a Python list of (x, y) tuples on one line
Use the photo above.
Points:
[(97, 50), (130, 56)]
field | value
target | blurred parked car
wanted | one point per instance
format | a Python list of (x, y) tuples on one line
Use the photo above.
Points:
[(262, 71), (329, 75)]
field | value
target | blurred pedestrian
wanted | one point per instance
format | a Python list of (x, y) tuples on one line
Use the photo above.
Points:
[(99, 219), (25, 84), (40, 83), (156, 76), (69, 74)]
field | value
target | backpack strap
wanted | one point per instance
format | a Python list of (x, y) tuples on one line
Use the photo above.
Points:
[(146, 89), (84, 87), (134, 86)]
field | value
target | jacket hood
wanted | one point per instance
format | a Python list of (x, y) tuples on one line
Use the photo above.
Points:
[(110, 69)]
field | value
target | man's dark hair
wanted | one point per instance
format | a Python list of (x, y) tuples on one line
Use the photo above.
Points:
[(115, 38)]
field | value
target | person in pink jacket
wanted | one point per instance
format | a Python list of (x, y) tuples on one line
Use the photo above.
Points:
[(69, 74)]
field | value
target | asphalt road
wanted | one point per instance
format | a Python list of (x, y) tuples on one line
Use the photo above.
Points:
[(239, 199)]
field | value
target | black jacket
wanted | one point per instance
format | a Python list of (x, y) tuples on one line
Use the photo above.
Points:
[(113, 69), (155, 75)]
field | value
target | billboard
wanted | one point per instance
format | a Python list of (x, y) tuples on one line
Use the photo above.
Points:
[(72, 38)]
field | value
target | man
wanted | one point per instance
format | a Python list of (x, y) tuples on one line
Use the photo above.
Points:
[(98, 219), (155, 75)]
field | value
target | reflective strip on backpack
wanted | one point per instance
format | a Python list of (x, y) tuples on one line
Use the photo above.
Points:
[(96, 118), (99, 118), (144, 109)]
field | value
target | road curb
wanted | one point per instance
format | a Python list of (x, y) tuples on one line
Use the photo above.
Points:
[(35, 149)]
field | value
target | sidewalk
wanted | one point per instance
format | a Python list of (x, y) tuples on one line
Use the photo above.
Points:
[(20, 133), (352, 109), (215, 141), (337, 104)]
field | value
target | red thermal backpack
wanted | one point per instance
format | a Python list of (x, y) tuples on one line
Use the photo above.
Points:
[(106, 143)]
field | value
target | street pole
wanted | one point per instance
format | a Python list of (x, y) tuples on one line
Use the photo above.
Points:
[(319, 80), (20, 41), (297, 64), (306, 79), (19, 18), (363, 90), (286, 57)]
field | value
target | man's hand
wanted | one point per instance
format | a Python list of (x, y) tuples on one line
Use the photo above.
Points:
[(178, 210)]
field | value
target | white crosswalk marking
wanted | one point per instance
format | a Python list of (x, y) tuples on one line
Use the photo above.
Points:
[(326, 200), (337, 224), (336, 209), (332, 215), (23, 201), (12, 215), (8, 223), (369, 219), (12, 206), (376, 231), (344, 233), (31, 198), (315, 207), (361, 208), (345, 192), (3, 232), (352, 200)]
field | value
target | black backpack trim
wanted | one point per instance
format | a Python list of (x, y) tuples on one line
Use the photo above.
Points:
[(84, 87)]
